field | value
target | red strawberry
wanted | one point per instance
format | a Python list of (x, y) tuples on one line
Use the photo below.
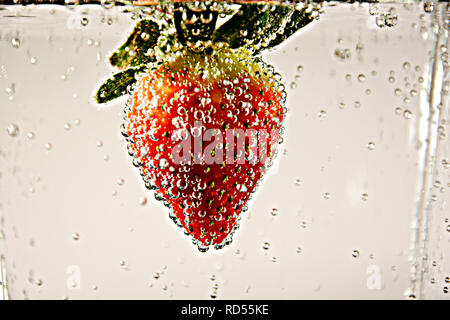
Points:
[(198, 94), (195, 83)]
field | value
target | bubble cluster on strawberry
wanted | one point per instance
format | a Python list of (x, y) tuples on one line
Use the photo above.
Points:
[(204, 118)]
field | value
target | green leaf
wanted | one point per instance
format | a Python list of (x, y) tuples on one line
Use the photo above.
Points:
[(297, 20), (251, 24), (117, 85), (133, 52)]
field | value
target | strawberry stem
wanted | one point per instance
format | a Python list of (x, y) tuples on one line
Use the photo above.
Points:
[(193, 26)]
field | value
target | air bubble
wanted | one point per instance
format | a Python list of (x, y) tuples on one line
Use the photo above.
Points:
[(84, 21), (342, 54), (445, 163), (407, 114), (142, 201), (13, 129), (322, 114), (428, 7), (15, 42)]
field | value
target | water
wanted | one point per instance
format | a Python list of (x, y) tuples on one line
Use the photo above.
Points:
[(355, 205)]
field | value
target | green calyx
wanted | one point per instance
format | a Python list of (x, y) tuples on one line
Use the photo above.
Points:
[(255, 27)]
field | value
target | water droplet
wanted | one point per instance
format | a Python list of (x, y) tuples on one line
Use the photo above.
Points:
[(120, 181), (361, 77), (13, 129), (406, 65), (364, 196), (326, 195), (293, 85), (266, 246), (298, 182), (156, 275), (274, 212), (33, 60), (99, 143), (106, 157), (48, 146), (355, 253), (298, 250), (67, 126), (371, 145), (75, 236), (299, 68)]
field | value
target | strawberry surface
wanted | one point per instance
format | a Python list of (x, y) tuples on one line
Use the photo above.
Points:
[(178, 102)]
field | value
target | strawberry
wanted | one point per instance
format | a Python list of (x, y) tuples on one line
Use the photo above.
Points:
[(224, 90), (205, 113)]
